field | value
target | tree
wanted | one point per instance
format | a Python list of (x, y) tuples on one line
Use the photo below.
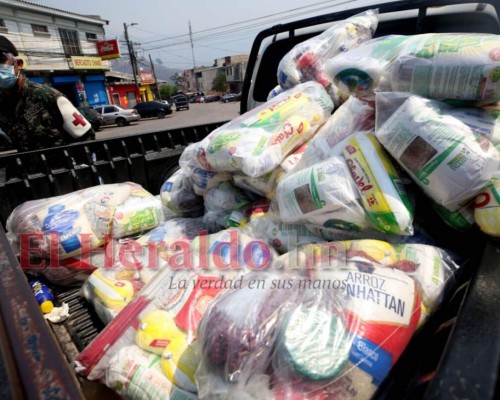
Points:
[(167, 90), (220, 83)]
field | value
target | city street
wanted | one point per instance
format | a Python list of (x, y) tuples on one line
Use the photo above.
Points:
[(198, 114)]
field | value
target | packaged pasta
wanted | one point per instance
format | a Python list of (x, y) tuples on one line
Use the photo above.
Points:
[(381, 188)]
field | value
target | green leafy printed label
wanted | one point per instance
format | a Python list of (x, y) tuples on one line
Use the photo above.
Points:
[(431, 166), (439, 44), (314, 188), (222, 140)]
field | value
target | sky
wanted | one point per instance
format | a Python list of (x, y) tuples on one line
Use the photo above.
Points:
[(219, 28)]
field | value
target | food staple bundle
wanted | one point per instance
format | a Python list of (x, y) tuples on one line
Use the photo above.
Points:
[(125, 266), (305, 62), (332, 327), (452, 66)]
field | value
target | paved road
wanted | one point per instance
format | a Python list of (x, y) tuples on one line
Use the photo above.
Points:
[(198, 114)]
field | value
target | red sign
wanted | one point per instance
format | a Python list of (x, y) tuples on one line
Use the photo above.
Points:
[(108, 49), (146, 77)]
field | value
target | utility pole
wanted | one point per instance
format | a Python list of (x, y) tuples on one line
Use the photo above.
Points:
[(131, 51), (154, 76), (192, 51)]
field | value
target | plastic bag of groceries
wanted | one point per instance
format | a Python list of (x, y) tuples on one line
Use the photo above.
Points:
[(446, 158), (163, 318), (194, 165), (282, 236), (332, 327), (305, 62), (454, 66), (256, 142), (266, 185), (126, 265), (352, 116), (177, 194), (358, 191), (67, 225), (224, 206)]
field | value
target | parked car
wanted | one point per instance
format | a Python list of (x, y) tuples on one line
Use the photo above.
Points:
[(114, 114), (91, 115), (231, 97), (211, 98), (153, 109), (181, 102)]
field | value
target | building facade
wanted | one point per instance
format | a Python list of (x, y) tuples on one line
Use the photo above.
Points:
[(201, 79), (59, 48)]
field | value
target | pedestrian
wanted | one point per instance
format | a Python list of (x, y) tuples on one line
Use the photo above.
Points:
[(33, 115)]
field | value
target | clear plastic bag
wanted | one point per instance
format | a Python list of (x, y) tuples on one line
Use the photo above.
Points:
[(163, 318), (81, 220), (177, 194), (442, 155), (487, 209), (352, 116), (305, 61), (329, 320), (126, 265), (453, 66), (257, 142)]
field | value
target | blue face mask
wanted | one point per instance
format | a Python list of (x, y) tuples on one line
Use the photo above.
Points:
[(8, 77)]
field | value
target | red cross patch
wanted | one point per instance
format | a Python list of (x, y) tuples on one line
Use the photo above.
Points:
[(79, 120)]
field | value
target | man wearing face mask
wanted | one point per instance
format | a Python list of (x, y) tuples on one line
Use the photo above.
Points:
[(33, 115)]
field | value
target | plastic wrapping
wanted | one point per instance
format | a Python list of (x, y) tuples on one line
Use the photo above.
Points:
[(359, 191), (257, 142), (441, 154), (281, 236), (318, 191), (177, 194), (126, 265), (487, 209), (136, 374), (456, 66), (329, 321), (352, 116), (224, 205), (163, 318), (382, 191), (305, 61), (265, 185), (194, 165), (81, 220)]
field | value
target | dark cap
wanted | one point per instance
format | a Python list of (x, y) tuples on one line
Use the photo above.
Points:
[(6, 46)]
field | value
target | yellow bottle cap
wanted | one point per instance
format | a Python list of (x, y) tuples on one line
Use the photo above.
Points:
[(47, 306)]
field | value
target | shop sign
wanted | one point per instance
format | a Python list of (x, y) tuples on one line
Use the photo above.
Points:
[(108, 49), (146, 77), (86, 62)]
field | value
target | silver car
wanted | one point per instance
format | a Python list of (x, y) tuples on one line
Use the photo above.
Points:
[(114, 114)]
